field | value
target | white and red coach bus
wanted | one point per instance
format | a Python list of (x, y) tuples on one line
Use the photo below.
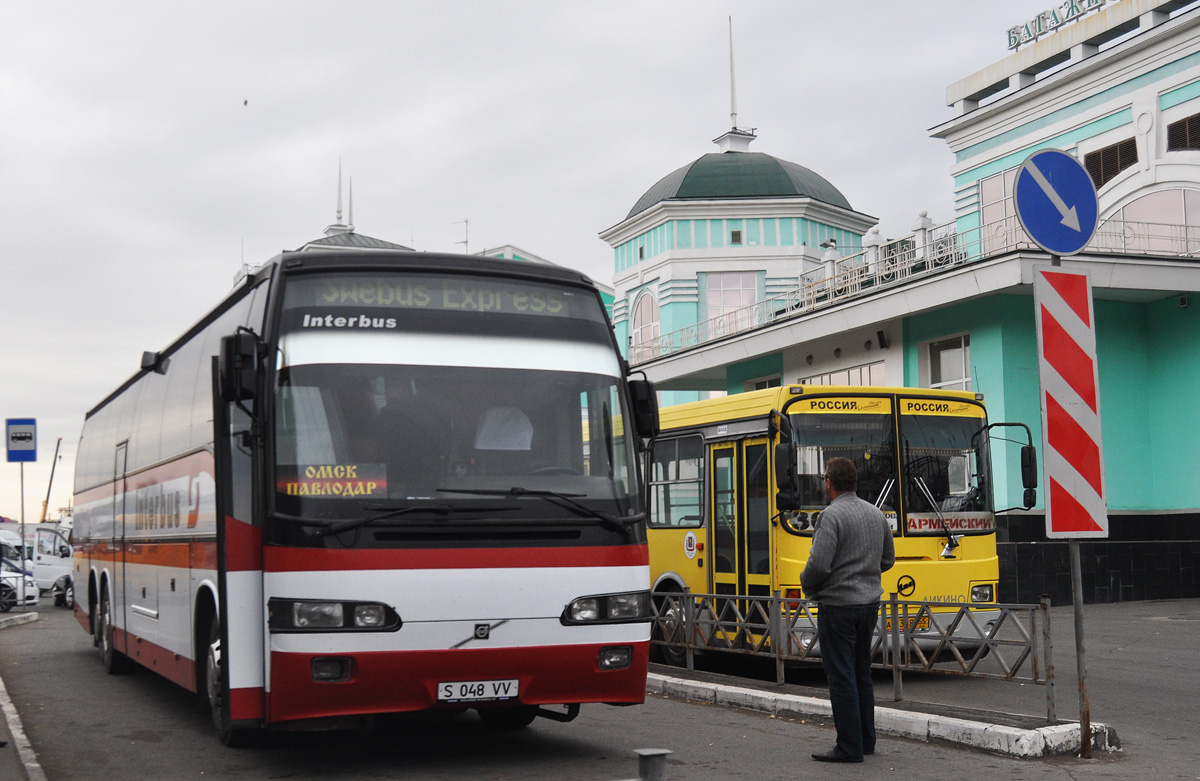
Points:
[(372, 482)]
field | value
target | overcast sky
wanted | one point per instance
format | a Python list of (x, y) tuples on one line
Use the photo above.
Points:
[(146, 149)]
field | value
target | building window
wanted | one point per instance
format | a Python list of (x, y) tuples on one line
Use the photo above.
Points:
[(641, 253), (735, 237), (1103, 164), (950, 363), (866, 374), (1165, 222), (998, 212), (1184, 134), (644, 337), (730, 292), (763, 384)]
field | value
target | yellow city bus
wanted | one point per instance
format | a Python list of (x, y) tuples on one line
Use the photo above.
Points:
[(736, 489)]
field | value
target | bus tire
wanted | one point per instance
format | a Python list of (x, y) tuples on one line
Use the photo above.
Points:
[(675, 629), (508, 716), (115, 662), (214, 678), (8, 597)]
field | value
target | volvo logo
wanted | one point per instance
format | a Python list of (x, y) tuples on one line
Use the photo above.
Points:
[(906, 585), (482, 631)]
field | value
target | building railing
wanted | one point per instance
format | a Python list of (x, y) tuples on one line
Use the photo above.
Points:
[(998, 641), (929, 251)]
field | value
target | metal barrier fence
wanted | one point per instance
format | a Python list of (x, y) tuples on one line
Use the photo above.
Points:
[(1007, 642)]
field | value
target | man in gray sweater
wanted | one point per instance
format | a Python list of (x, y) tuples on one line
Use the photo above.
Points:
[(852, 547)]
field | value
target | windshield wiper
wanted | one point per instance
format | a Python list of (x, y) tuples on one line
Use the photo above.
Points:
[(563, 500), (443, 510), (952, 540)]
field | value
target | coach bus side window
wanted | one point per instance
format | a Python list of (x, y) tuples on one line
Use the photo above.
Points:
[(677, 482)]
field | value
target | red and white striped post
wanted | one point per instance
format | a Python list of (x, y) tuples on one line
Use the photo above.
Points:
[(1072, 448)]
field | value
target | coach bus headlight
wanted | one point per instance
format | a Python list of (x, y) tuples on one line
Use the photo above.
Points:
[(369, 616), (614, 657), (296, 615), (608, 609), (316, 615), (982, 593)]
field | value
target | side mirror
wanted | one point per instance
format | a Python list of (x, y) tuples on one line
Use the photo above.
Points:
[(645, 408), (786, 478), (239, 366), (1029, 478), (1030, 498)]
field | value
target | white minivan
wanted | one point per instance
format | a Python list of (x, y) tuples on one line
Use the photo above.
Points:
[(52, 564)]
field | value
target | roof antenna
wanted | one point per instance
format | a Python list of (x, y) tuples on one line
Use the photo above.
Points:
[(466, 236), (732, 81), (339, 203), (350, 217), (736, 139), (338, 226)]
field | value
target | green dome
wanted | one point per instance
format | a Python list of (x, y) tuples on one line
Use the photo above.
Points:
[(724, 175)]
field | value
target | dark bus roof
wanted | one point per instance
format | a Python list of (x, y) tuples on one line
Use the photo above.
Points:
[(347, 260)]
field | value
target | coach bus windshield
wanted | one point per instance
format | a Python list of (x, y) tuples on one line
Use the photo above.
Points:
[(867, 440), (432, 403), (946, 485)]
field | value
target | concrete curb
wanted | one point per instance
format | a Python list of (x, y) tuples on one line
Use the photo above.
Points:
[(1010, 741), (20, 742), (13, 619)]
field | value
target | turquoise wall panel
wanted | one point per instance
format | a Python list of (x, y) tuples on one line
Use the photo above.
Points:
[(672, 317), (736, 375), (1174, 415), (1146, 353), (1124, 362), (683, 234), (1003, 369), (787, 233)]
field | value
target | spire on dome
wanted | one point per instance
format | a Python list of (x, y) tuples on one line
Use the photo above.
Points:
[(737, 139)]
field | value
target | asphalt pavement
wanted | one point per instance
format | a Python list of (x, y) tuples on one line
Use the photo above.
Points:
[(1139, 659)]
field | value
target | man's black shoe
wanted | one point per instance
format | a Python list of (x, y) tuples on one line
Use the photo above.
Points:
[(833, 756)]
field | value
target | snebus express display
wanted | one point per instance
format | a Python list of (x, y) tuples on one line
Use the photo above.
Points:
[(736, 488), (370, 483)]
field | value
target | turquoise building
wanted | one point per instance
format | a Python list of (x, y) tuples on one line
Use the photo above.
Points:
[(810, 291)]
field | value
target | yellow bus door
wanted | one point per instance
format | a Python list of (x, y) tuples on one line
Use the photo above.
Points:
[(740, 534)]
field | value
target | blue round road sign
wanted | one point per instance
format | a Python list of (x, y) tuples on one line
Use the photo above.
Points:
[(1056, 202)]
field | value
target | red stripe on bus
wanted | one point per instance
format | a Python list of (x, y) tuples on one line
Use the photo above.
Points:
[(246, 554), (326, 560), (247, 703), (166, 663), (200, 554), (394, 681), (243, 547)]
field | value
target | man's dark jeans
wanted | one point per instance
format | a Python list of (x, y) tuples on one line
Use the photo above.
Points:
[(844, 632)]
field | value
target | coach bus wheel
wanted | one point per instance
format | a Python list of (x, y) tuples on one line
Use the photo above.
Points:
[(508, 717), (670, 628), (213, 685), (8, 598), (114, 661)]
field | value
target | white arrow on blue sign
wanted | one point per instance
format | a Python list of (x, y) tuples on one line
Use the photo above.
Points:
[(1056, 202)]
